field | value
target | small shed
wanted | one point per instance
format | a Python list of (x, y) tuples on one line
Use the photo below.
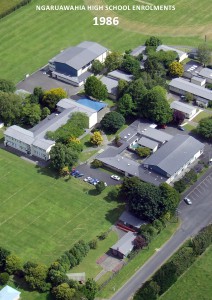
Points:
[(9, 293), (198, 80), (188, 110), (130, 221), (145, 142), (124, 246), (80, 277)]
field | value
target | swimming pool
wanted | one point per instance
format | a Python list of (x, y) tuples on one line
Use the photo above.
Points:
[(92, 104)]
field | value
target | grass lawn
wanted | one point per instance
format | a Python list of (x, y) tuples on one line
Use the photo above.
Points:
[(86, 155), (194, 284), (131, 268), (189, 127), (41, 216), (85, 141), (6, 5), (202, 115), (29, 38), (89, 265)]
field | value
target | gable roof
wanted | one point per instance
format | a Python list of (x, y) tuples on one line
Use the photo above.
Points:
[(130, 219), (125, 244), (117, 74), (192, 88), (147, 143), (174, 154), (182, 107), (156, 135), (206, 73), (9, 293), (20, 134), (111, 84), (80, 55)]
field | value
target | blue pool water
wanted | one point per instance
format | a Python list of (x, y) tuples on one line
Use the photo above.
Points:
[(92, 104)]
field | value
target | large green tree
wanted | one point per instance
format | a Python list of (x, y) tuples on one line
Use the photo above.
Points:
[(52, 97), (156, 107), (10, 108), (125, 105), (205, 128), (97, 67), (62, 156), (204, 54), (31, 113), (63, 292), (130, 65), (7, 86), (95, 88), (113, 61), (36, 277), (112, 121), (170, 198), (176, 69), (4, 253), (13, 264)]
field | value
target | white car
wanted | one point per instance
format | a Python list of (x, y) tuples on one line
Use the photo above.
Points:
[(187, 201), (115, 177), (87, 179)]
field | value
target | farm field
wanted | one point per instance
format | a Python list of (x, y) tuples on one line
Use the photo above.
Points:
[(29, 38), (5, 4), (195, 284), (41, 216)]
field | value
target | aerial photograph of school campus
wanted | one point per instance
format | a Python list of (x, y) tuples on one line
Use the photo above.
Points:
[(105, 149)]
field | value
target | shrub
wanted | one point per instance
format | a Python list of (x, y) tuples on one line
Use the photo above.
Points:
[(96, 163), (4, 277), (93, 244), (103, 235)]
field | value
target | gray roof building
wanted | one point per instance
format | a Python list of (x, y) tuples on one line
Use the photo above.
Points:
[(174, 154), (20, 134), (183, 107), (125, 244), (111, 84), (206, 73), (43, 143), (79, 56), (77, 276), (75, 106), (156, 135), (128, 218), (145, 142), (183, 85), (117, 74)]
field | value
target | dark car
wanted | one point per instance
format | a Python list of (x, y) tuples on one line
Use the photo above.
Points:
[(181, 128)]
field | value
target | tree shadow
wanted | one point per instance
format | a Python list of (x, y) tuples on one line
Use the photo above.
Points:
[(113, 215), (93, 192), (47, 171)]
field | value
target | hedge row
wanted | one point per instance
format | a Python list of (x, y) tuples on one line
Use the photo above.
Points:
[(14, 8), (168, 274)]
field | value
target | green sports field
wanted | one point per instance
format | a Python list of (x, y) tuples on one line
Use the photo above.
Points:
[(5, 4), (29, 38), (41, 217), (195, 284)]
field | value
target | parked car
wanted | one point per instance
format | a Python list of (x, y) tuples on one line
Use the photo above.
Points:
[(115, 177), (181, 128), (95, 181), (79, 175), (87, 179), (75, 172), (187, 201), (182, 97), (105, 183)]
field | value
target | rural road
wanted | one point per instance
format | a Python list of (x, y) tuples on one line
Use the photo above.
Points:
[(193, 217)]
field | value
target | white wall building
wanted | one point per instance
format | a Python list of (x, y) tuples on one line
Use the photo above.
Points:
[(188, 110)]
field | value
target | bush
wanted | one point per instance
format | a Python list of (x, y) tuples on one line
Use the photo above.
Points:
[(96, 163), (93, 244), (4, 277), (113, 195), (112, 121), (13, 8), (103, 235), (180, 185)]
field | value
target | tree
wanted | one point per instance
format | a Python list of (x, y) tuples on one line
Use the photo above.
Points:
[(100, 186), (96, 163), (178, 117), (156, 107), (97, 67), (63, 292), (52, 97), (149, 291), (204, 54), (153, 42), (113, 61), (125, 105), (39, 93), (95, 88), (205, 128), (130, 65), (96, 138), (31, 114), (176, 69), (93, 244), (62, 156), (57, 277), (170, 198), (13, 264), (7, 86), (137, 91), (90, 289), (45, 113), (139, 242), (64, 171), (10, 108), (36, 277), (112, 121), (4, 253), (122, 87), (143, 151), (4, 278)]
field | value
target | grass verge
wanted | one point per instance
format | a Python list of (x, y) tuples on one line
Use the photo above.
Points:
[(200, 116), (130, 269)]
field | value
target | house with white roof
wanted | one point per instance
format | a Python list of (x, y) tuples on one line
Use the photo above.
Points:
[(188, 110), (9, 293), (207, 74), (72, 65)]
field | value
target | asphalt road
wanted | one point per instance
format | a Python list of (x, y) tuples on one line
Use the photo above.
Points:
[(193, 217)]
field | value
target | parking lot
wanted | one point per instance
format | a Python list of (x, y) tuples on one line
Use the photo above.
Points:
[(199, 191)]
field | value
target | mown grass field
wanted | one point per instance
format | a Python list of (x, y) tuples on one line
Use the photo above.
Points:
[(5, 4), (41, 217), (195, 284), (29, 38)]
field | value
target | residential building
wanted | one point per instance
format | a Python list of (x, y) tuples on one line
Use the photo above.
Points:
[(124, 246), (198, 80), (117, 74), (192, 68), (175, 156), (148, 143), (188, 110), (207, 74), (130, 222), (72, 65), (9, 293), (201, 95), (112, 87)]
